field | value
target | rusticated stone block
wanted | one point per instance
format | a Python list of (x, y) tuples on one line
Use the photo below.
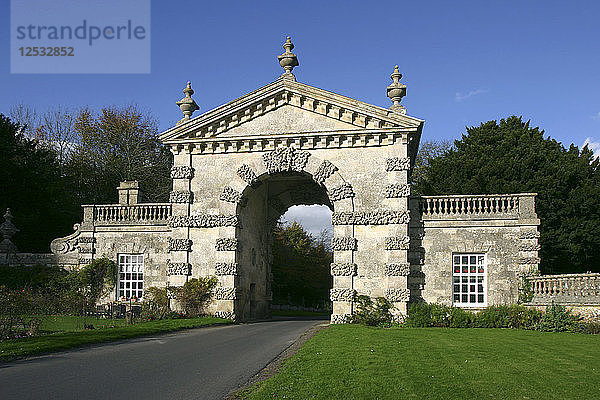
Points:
[(225, 293), (397, 295), (182, 172), (382, 217), (344, 243), (226, 244), (397, 164), (397, 269), (325, 170), (396, 190), (180, 244), (397, 243), (337, 294), (179, 268), (344, 191), (222, 268), (343, 269)]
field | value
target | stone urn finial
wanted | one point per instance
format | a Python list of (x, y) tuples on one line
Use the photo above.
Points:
[(288, 60), (396, 91), (187, 104), (7, 230)]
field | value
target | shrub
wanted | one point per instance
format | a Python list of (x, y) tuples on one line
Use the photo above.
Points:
[(460, 318), (195, 294), (156, 303), (557, 319), (428, 315), (373, 313)]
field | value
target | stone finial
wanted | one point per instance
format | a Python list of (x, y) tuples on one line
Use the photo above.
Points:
[(396, 91), (187, 104), (7, 230), (288, 60)]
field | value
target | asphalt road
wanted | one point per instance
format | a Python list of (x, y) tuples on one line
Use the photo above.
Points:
[(203, 363)]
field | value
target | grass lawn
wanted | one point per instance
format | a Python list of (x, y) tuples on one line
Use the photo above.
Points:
[(357, 362), (72, 338), (72, 323)]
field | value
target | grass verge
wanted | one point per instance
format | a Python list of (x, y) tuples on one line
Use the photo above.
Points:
[(357, 362), (18, 348)]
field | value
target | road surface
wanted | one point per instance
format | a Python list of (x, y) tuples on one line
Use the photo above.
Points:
[(203, 363)]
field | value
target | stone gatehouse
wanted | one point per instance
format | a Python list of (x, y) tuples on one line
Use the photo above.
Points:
[(240, 166)]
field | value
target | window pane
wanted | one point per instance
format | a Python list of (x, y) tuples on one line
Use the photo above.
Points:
[(472, 298), (456, 279), (457, 298), (473, 259), (457, 288), (480, 298), (465, 288), (480, 288), (465, 269), (456, 260), (465, 259), (465, 298), (472, 288)]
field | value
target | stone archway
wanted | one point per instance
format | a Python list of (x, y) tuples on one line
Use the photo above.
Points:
[(287, 177), (311, 146)]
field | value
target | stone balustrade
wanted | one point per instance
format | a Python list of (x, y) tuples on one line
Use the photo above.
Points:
[(507, 206), (120, 214), (568, 289)]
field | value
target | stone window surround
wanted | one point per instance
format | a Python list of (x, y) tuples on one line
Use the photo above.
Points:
[(474, 280), (130, 262)]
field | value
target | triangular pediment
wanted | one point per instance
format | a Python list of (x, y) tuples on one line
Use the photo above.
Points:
[(288, 107)]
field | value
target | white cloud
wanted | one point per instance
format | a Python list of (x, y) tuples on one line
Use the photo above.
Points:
[(463, 96), (313, 218), (594, 146)]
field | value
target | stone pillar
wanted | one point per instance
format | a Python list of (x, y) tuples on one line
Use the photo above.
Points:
[(7, 230), (129, 192)]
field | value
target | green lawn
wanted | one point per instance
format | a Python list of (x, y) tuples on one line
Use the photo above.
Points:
[(71, 323), (357, 362), (73, 337)]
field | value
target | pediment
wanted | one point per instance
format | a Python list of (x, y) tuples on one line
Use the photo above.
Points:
[(288, 107)]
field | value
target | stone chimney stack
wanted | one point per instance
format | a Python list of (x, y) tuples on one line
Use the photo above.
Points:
[(129, 192)]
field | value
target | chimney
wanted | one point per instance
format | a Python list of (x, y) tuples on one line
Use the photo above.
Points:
[(129, 192)]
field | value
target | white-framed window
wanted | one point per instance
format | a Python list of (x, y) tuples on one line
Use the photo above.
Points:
[(469, 280), (131, 276)]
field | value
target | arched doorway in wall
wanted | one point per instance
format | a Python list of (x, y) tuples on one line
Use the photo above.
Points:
[(302, 257), (264, 204)]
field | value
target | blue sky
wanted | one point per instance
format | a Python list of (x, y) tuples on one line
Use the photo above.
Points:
[(464, 62)]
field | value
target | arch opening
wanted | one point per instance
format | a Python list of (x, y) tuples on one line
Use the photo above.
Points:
[(259, 214)]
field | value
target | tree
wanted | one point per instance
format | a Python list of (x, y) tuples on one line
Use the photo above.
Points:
[(512, 157), (33, 188), (118, 144), (300, 267), (428, 150)]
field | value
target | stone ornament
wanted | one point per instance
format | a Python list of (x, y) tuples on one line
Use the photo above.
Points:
[(288, 60), (180, 244), (225, 315), (344, 191), (62, 245), (530, 235), (341, 318), (84, 261), (382, 217), (529, 260), (338, 294), (203, 221), (222, 268), (529, 247), (325, 170), (179, 268), (397, 164), (248, 175), (231, 196), (86, 239), (396, 190), (181, 196), (187, 104), (344, 243), (285, 159), (397, 295), (396, 269), (226, 244), (343, 269), (182, 172), (397, 243), (396, 91), (225, 293)]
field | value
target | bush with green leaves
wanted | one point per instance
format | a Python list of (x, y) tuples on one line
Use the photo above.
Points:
[(195, 294), (557, 318), (156, 303), (373, 313)]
